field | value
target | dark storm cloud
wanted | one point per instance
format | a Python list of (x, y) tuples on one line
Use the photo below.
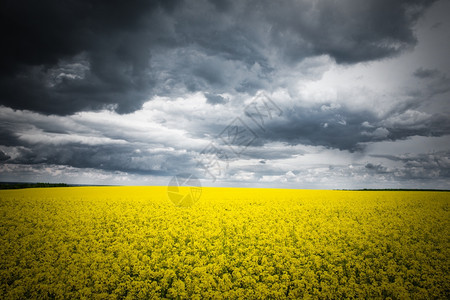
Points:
[(61, 57), (437, 82), (410, 123), (426, 73), (343, 127), (3, 156), (215, 99), (65, 56), (379, 169), (420, 166), (350, 31), (320, 125), (122, 158)]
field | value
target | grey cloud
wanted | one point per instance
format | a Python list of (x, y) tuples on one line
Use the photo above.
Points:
[(122, 158), (108, 38), (60, 58), (336, 128), (4, 156), (409, 123), (86, 143), (376, 168), (263, 152), (190, 69), (350, 31), (426, 73), (325, 124), (345, 128), (436, 83), (93, 55), (436, 25), (132, 154), (215, 99), (420, 166)]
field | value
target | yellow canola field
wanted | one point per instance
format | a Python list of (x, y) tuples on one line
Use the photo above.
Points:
[(132, 242)]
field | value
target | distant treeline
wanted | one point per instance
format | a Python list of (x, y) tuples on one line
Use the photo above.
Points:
[(25, 185)]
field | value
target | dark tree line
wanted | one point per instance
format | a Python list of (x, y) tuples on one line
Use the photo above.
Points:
[(25, 185)]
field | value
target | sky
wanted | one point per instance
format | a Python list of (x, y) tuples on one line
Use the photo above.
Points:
[(312, 94)]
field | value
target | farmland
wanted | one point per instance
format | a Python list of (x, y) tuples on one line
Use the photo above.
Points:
[(132, 242)]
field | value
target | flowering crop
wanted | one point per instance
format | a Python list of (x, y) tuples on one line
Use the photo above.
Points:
[(132, 242)]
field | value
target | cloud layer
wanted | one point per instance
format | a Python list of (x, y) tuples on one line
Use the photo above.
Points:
[(144, 89), (85, 55)]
